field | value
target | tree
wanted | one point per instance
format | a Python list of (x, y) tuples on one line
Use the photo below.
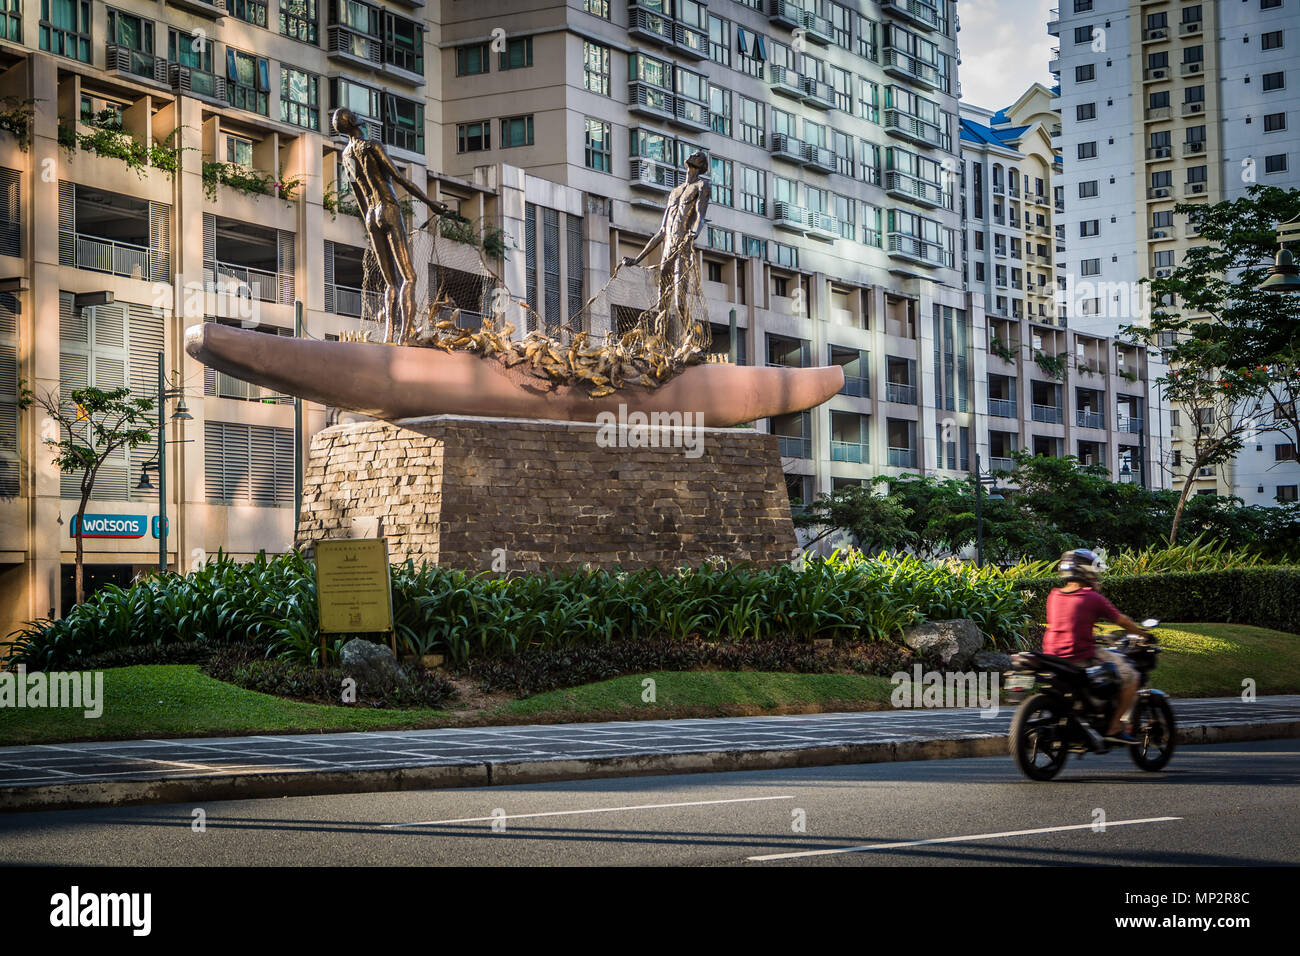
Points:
[(876, 522), (86, 428), (1230, 347)]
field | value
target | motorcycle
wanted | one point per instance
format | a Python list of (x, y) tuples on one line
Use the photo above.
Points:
[(1065, 708)]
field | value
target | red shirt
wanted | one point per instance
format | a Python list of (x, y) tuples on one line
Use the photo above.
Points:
[(1070, 619)]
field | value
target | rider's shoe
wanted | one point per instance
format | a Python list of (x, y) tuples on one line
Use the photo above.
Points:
[(1122, 738)]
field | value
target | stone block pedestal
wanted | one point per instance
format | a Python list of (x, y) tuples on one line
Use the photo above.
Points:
[(520, 495)]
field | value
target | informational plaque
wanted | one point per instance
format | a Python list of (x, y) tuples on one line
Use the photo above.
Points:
[(353, 586)]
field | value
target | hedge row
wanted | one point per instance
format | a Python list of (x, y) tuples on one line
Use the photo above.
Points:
[(1264, 596)]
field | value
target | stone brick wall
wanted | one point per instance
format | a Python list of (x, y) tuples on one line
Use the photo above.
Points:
[(451, 490)]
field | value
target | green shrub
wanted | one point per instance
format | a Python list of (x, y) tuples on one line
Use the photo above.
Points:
[(1263, 596)]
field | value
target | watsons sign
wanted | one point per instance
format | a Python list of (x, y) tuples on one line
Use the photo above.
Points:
[(110, 526)]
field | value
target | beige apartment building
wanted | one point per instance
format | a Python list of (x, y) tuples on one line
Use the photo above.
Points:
[(1053, 389)]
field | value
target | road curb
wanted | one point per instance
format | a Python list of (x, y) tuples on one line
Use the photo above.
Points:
[(251, 786)]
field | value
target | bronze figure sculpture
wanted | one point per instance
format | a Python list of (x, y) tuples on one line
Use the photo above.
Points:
[(372, 175), (682, 224)]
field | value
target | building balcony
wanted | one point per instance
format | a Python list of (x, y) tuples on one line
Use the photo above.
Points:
[(787, 147), (1159, 192), (1087, 419), (789, 216), (856, 386), (1155, 34), (785, 81), (691, 113), (1131, 424), (1195, 189), (913, 128), (999, 189), (262, 285), (909, 187), (1054, 61), (816, 29), (653, 174), (915, 12), (902, 457), (818, 157), (819, 94), (823, 226), (107, 255), (1195, 68), (135, 65), (198, 83), (849, 451), (1047, 413), (1160, 152), (902, 246), (1054, 21), (1013, 192), (1155, 114), (1164, 232), (690, 41), (354, 302), (351, 46), (793, 446), (1155, 75), (900, 393), (1194, 108), (998, 463), (651, 25), (1194, 149), (215, 9), (1003, 407), (1189, 29), (650, 100), (903, 64)]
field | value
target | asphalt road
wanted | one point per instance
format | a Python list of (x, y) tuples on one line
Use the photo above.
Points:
[(1215, 805)]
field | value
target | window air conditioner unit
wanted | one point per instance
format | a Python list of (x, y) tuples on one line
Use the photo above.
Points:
[(1160, 192), (1159, 74), (1159, 234), (1198, 187), (1162, 273), (1195, 107), (1160, 152)]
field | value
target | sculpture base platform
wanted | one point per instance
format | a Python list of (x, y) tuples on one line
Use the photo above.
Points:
[(520, 495)]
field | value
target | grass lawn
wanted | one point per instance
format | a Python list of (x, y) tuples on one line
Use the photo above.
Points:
[(1200, 660)]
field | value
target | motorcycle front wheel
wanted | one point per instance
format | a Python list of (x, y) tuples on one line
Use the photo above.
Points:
[(1036, 740), (1153, 726)]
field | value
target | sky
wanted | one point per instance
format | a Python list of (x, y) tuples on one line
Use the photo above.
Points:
[(1004, 47)]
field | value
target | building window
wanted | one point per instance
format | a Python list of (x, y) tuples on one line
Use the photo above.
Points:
[(1271, 41), (517, 131), (1274, 81), (475, 137), (595, 60), (1085, 72), (1088, 150), (1273, 122), (753, 190), (65, 28), (298, 19), (472, 60), (720, 40), (597, 8), (300, 98), (1287, 493), (1082, 35), (1284, 452), (403, 44), (239, 150), (1275, 163), (250, 11), (1088, 189), (752, 123), (720, 110), (723, 240), (517, 54), (722, 183), (403, 123), (1089, 227), (1090, 267), (1085, 111), (597, 147), (248, 84)]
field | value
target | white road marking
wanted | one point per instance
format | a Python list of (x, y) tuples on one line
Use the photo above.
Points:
[(955, 839), (565, 813)]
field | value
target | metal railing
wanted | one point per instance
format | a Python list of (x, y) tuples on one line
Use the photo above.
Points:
[(900, 393), (116, 258), (1047, 413), (1128, 423), (902, 457), (262, 285), (856, 386), (1086, 419), (1002, 464), (850, 451), (1002, 407), (353, 302), (792, 446)]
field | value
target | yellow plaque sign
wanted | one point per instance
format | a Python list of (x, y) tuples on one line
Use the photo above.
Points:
[(353, 587)]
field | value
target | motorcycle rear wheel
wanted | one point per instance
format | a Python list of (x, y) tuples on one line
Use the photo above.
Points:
[(1035, 740), (1153, 724)]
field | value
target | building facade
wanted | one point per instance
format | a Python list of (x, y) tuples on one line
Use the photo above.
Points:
[(1164, 102), (1052, 389)]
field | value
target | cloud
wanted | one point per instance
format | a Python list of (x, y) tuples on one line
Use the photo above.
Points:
[(1004, 47)]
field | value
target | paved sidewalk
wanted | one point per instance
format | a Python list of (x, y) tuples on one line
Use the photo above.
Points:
[(156, 771)]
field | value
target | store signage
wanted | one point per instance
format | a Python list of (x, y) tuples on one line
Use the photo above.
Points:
[(110, 526)]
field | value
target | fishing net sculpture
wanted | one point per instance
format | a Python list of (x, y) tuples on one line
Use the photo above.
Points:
[(463, 304)]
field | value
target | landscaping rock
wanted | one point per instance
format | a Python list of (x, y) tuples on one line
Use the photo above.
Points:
[(952, 643), (372, 665), (992, 661)]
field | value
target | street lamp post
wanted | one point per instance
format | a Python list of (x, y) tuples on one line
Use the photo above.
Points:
[(980, 478), (181, 414)]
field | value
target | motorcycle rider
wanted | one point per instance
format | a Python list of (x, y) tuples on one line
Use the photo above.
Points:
[(1072, 611)]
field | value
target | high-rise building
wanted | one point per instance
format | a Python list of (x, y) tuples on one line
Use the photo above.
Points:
[(1164, 102), (1052, 389)]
